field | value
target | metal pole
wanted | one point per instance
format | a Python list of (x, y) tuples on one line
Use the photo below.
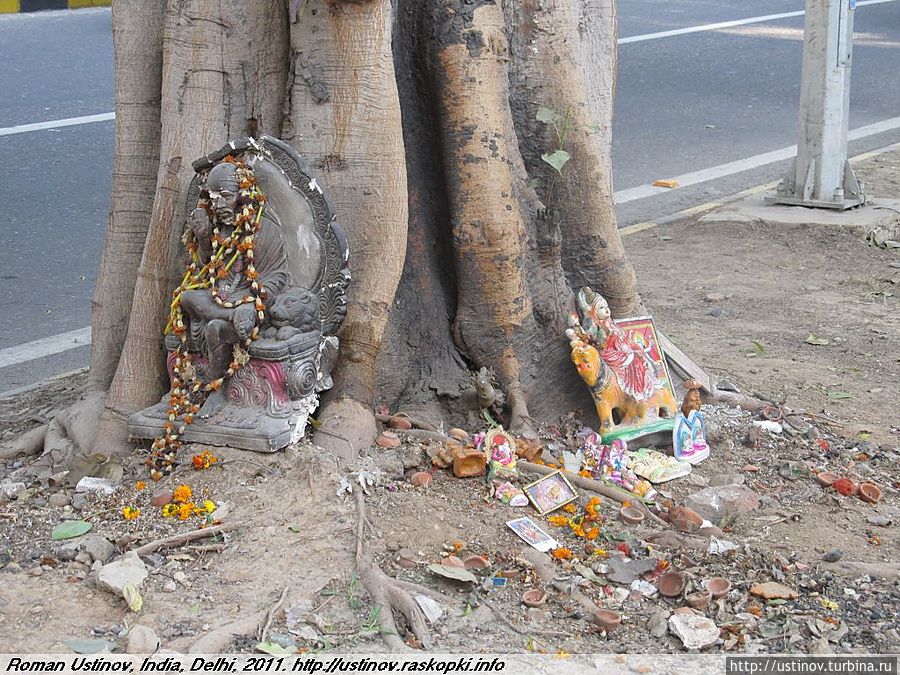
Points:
[(821, 176)]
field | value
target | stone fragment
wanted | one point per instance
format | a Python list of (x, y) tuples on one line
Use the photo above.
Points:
[(772, 590), (161, 497), (142, 640), (695, 632), (421, 479), (833, 556), (99, 548), (400, 422), (128, 569), (11, 491), (58, 499), (410, 456), (92, 484), (714, 503), (658, 623), (880, 521), (726, 479), (714, 297)]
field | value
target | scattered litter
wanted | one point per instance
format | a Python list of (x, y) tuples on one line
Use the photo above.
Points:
[(431, 609), (720, 546), (769, 425)]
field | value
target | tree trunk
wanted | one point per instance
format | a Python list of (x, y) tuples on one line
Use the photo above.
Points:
[(223, 73), (420, 118), (344, 118)]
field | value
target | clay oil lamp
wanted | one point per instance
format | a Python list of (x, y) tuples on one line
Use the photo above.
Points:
[(718, 586), (534, 597), (671, 584), (608, 619)]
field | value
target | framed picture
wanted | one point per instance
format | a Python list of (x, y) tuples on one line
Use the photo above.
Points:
[(550, 492)]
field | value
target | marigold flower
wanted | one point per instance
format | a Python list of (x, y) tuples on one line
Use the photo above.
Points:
[(186, 510), (130, 513), (558, 521), (169, 510), (593, 533), (570, 508), (182, 494), (584, 473), (204, 460), (209, 506), (561, 553), (578, 530), (140, 485)]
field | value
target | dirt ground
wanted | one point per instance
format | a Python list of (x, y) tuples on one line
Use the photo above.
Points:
[(741, 299)]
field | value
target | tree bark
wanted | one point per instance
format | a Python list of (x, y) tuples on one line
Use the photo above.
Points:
[(224, 66), (344, 118)]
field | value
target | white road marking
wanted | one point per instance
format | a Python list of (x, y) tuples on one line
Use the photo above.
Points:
[(55, 124), (729, 168), (728, 24), (38, 349)]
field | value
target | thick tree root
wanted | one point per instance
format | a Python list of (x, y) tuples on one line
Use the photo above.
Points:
[(387, 593), (184, 537), (600, 488), (346, 427), (68, 443), (547, 571), (29, 443), (218, 639)]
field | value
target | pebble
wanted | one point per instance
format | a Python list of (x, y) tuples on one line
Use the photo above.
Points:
[(881, 521), (160, 498), (59, 499), (170, 586), (179, 576), (421, 479), (833, 556), (750, 468), (142, 640), (772, 590)]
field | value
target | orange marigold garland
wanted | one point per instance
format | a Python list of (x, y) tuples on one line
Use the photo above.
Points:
[(188, 390)]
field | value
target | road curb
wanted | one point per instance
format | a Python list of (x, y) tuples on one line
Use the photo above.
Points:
[(749, 192), (14, 6)]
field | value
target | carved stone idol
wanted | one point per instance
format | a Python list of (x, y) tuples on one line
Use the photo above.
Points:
[(251, 335), (624, 370)]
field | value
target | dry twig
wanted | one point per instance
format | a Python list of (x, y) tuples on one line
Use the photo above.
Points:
[(184, 537)]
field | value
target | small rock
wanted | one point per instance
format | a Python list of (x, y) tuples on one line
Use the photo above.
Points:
[(482, 616), (170, 586), (59, 499), (99, 548), (11, 490), (79, 501), (658, 624), (411, 456), (538, 615), (421, 479), (179, 576), (880, 521), (161, 497), (750, 468), (695, 632), (772, 590), (833, 556), (13, 567), (459, 434), (127, 569), (726, 479), (142, 640), (84, 558), (714, 297), (714, 503), (39, 502), (768, 425), (92, 484), (716, 312)]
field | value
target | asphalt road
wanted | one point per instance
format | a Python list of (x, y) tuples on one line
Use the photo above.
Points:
[(684, 102)]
